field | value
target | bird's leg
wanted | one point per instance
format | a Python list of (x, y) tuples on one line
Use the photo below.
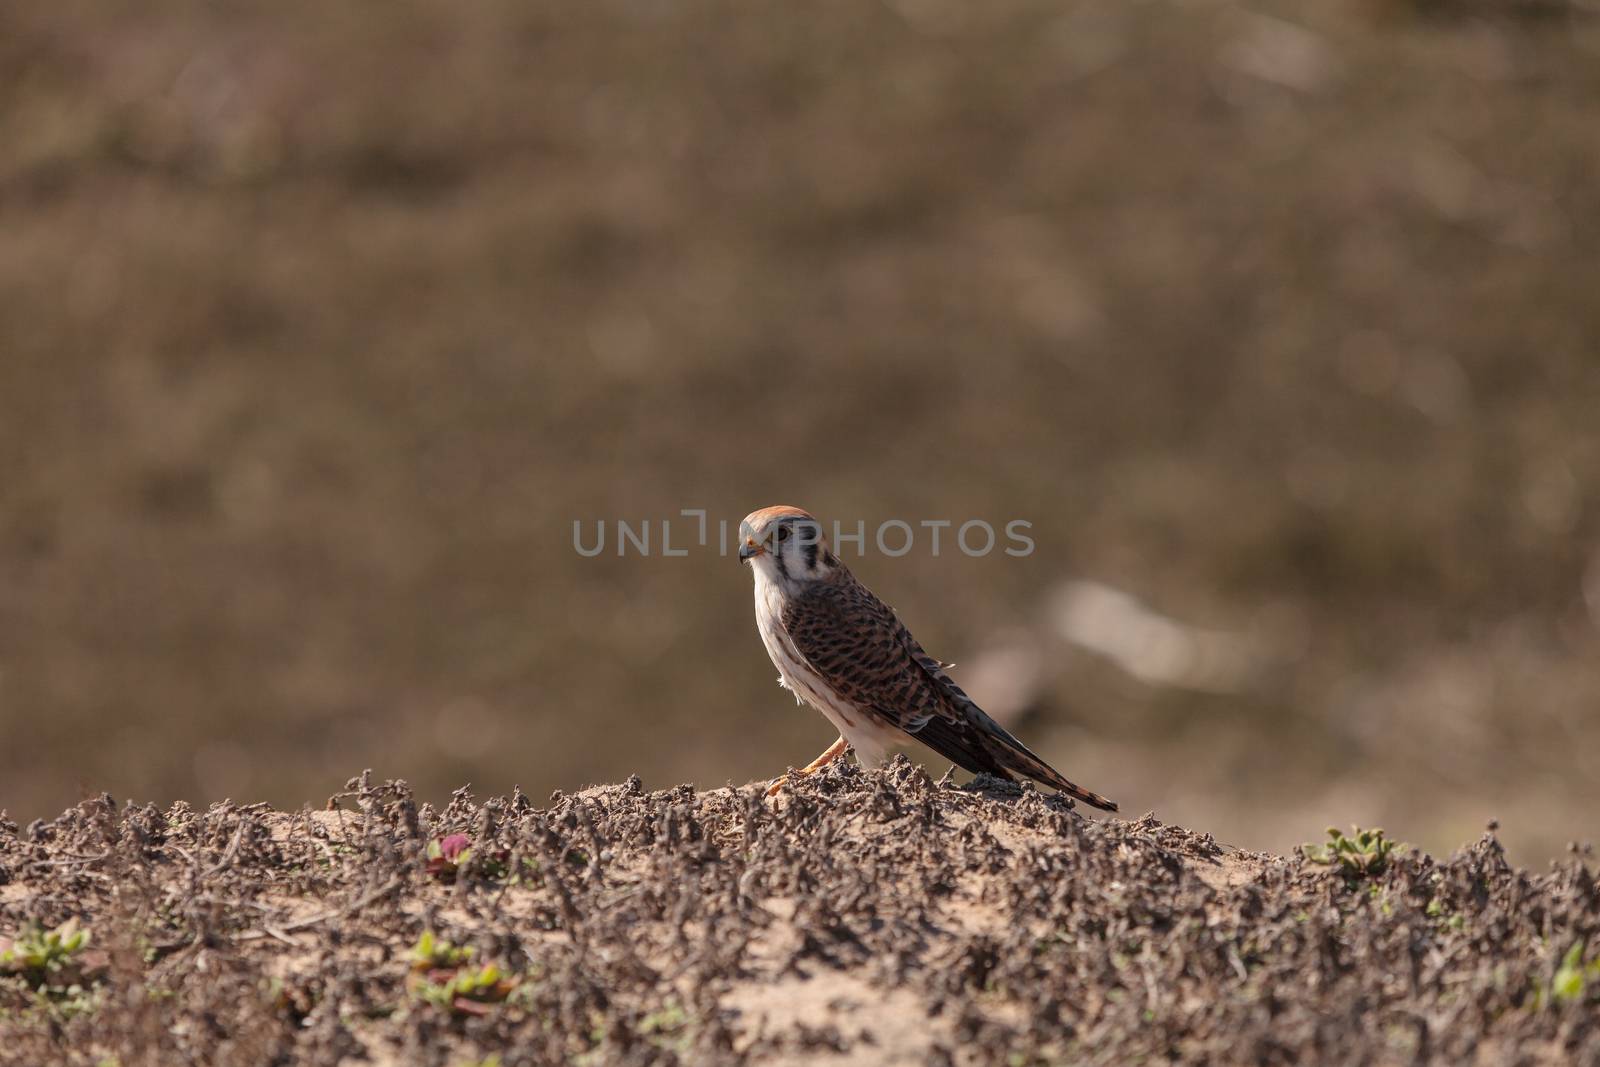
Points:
[(831, 753)]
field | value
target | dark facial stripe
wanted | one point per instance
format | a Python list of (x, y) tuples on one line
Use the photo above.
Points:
[(811, 555)]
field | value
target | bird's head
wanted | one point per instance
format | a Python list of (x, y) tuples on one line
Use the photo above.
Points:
[(786, 545)]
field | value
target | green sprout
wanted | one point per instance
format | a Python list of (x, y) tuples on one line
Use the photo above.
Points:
[(38, 953), (49, 968), (1573, 978), (446, 857), (1363, 854), (446, 978), (432, 951), (468, 991), (664, 1028), (1437, 910)]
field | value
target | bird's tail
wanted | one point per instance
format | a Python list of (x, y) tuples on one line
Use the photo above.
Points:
[(1013, 755), (978, 743)]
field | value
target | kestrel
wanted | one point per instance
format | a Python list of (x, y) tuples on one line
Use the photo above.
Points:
[(843, 651)]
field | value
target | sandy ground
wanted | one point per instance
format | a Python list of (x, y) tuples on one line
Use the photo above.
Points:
[(863, 918)]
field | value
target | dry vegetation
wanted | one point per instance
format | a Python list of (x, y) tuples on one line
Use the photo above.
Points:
[(866, 918)]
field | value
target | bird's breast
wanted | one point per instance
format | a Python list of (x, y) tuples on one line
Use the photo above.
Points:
[(796, 673)]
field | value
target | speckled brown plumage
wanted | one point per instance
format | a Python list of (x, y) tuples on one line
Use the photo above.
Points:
[(841, 649)]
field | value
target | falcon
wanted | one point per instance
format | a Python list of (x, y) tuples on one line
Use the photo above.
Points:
[(843, 651)]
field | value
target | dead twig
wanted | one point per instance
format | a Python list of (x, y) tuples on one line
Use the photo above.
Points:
[(283, 930)]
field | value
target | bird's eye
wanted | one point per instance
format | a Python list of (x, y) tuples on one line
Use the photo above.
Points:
[(783, 533)]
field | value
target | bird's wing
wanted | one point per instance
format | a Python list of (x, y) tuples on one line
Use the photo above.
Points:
[(852, 640), (857, 644)]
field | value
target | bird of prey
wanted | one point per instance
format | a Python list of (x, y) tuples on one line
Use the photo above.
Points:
[(843, 651)]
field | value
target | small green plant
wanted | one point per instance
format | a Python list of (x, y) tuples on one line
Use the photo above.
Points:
[(1362, 854), (667, 1028), (466, 991), (50, 973), (1571, 981), (1437, 910), (447, 856), (591, 1056), (38, 953), (432, 951), (445, 977)]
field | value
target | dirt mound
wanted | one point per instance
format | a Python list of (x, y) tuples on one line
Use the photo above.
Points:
[(866, 917)]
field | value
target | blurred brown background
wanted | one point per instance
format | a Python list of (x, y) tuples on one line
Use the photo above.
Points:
[(321, 323)]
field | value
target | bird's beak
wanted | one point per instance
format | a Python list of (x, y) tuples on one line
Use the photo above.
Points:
[(749, 550)]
